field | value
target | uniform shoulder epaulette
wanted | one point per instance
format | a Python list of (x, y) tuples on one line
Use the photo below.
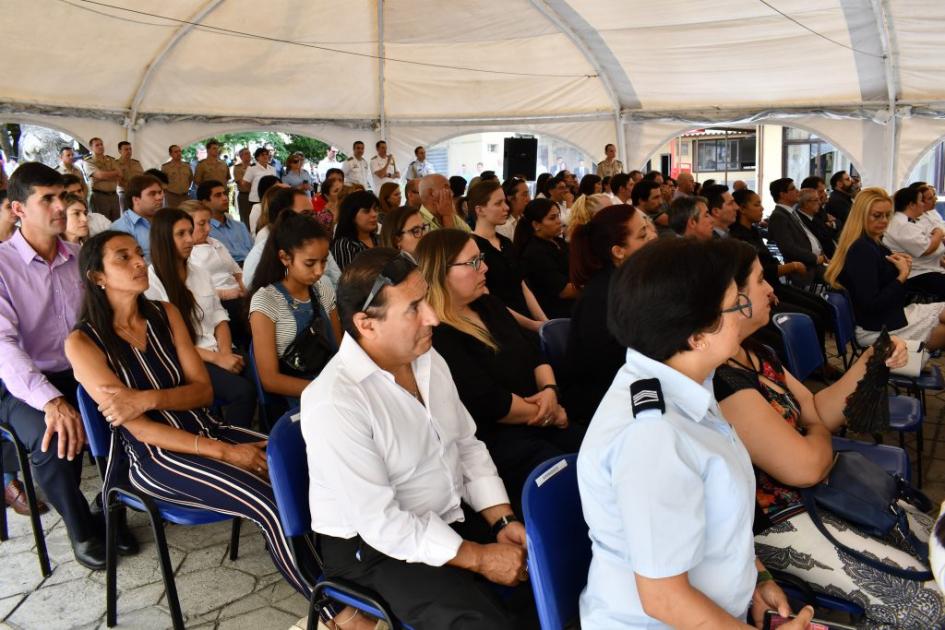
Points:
[(646, 394)]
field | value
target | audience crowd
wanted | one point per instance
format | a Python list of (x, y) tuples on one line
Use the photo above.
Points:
[(408, 325)]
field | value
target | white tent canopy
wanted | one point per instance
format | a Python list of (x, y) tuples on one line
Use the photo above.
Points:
[(864, 74)]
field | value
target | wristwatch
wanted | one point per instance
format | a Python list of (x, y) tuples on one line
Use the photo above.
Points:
[(500, 524), (553, 388)]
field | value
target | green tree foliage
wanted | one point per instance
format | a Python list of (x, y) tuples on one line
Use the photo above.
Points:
[(314, 150)]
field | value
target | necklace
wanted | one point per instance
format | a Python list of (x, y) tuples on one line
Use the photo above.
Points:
[(135, 341)]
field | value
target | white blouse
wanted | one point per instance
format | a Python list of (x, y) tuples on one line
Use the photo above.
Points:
[(210, 311), (214, 258)]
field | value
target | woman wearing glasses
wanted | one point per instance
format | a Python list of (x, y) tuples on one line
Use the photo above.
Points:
[(403, 228), (787, 431), (486, 200), (666, 485), (503, 381), (295, 176)]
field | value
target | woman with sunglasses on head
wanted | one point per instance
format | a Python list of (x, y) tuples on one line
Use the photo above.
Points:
[(137, 360), (787, 430), (503, 278), (295, 176), (403, 228), (173, 278), (289, 290), (508, 388), (666, 485), (875, 277), (543, 256)]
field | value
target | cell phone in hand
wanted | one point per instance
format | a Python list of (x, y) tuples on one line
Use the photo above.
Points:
[(773, 620)]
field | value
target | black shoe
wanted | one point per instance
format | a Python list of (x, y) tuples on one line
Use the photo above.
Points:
[(89, 553), (126, 542)]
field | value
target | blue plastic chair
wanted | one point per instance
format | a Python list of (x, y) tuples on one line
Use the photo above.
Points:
[(803, 357), (8, 434), (288, 472), (262, 398), (559, 549), (844, 328), (98, 434), (553, 336)]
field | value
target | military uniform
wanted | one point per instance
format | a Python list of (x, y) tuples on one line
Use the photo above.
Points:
[(129, 169), (104, 198), (179, 178), (77, 172), (242, 198), (208, 169), (609, 170)]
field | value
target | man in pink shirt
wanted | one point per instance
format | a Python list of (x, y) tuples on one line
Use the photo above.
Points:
[(40, 295)]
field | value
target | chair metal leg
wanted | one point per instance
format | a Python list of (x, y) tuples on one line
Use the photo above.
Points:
[(312, 623), (111, 560), (37, 524), (167, 570), (235, 539), (920, 443)]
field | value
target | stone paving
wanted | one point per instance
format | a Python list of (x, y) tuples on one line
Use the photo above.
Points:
[(216, 593)]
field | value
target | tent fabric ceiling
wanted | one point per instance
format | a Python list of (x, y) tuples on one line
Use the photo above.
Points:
[(523, 61)]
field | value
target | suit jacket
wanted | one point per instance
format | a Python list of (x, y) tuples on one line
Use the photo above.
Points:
[(839, 204), (824, 234), (790, 237)]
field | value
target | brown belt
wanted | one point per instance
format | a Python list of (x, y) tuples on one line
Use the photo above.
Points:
[(104, 192)]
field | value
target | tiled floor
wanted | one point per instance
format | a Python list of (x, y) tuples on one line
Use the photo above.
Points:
[(216, 593)]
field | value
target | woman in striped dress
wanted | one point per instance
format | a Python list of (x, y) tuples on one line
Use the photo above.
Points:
[(136, 359)]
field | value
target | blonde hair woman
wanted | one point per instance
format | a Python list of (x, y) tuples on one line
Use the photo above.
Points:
[(502, 379), (585, 208), (874, 277)]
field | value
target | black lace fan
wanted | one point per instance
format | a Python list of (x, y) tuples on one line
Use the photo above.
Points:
[(867, 408)]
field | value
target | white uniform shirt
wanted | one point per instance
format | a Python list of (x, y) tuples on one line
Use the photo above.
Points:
[(199, 283), (386, 467), (252, 175), (418, 169), (377, 163), (357, 172), (664, 494), (913, 238), (215, 259)]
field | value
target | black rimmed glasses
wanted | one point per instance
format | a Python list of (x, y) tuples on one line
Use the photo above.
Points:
[(742, 305), (475, 263), (416, 232), (394, 272)]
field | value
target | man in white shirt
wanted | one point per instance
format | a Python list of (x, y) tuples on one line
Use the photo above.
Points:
[(257, 171), (908, 234), (419, 167), (395, 465), (356, 168), (383, 167)]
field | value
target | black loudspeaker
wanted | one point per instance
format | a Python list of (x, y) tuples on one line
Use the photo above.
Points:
[(520, 158)]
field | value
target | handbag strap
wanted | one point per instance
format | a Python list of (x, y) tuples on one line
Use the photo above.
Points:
[(903, 527)]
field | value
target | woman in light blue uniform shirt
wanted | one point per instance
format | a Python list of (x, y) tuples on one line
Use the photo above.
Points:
[(667, 488)]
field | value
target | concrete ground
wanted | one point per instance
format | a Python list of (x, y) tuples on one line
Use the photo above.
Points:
[(216, 593)]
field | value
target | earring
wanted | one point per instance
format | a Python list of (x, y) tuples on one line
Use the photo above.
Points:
[(287, 272), (102, 286)]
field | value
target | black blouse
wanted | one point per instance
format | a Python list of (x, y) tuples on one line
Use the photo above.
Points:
[(593, 355), (486, 379), (769, 264), (546, 270), (878, 297), (503, 278)]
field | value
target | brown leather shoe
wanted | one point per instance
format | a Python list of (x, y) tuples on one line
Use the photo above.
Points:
[(15, 496)]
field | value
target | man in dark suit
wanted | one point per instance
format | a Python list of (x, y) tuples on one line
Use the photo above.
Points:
[(841, 197), (787, 231), (808, 210)]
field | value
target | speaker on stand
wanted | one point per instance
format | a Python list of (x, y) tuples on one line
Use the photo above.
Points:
[(520, 157)]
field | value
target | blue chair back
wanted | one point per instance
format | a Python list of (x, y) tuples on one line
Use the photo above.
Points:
[(842, 320), (262, 398), (96, 428), (553, 336), (800, 343), (288, 472), (559, 550)]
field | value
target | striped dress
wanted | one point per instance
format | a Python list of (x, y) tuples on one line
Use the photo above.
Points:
[(187, 479)]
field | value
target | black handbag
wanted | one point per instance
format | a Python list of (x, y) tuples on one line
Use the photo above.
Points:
[(865, 495), (311, 350)]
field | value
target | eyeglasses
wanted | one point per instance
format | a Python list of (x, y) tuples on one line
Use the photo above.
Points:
[(742, 305), (475, 263), (416, 232), (393, 273)]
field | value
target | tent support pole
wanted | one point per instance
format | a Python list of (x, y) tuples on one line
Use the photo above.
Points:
[(381, 106)]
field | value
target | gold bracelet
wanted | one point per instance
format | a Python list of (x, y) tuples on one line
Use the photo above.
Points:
[(196, 444)]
